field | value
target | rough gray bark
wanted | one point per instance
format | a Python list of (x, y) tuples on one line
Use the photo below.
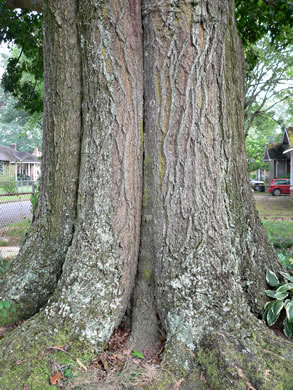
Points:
[(100, 267), (201, 252), (33, 277), (97, 278), (208, 249)]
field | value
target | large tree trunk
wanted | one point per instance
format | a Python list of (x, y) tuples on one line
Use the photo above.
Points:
[(33, 277), (172, 95)]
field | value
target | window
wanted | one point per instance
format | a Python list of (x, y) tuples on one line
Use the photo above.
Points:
[(1, 168)]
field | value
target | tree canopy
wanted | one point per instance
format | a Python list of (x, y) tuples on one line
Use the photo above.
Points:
[(262, 132), (269, 82), (258, 18), (255, 20), (24, 75)]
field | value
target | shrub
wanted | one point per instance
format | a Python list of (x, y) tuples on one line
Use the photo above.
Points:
[(9, 187)]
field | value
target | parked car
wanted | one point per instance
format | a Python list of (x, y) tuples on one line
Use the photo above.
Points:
[(279, 186), (257, 185)]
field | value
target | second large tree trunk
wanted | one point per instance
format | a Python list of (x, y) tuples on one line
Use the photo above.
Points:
[(160, 110)]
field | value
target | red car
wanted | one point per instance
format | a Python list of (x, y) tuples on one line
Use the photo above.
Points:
[(279, 186)]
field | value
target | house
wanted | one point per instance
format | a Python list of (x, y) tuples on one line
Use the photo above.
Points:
[(280, 157), (19, 164)]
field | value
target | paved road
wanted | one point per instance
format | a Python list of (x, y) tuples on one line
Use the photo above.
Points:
[(14, 212)]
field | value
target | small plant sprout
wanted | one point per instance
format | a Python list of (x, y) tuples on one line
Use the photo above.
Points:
[(137, 354), (282, 299)]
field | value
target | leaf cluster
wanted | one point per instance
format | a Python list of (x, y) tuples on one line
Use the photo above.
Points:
[(23, 29), (282, 300), (5, 307), (268, 81), (264, 131), (258, 18)]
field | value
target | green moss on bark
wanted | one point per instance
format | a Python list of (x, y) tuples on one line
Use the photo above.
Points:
[(148, 274), (260, 360), (27, 358)]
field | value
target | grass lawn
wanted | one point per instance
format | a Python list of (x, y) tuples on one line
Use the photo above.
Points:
[(14, 198), (276, 214), (274, 207), (13, 234), (7, 197), (277, 217)]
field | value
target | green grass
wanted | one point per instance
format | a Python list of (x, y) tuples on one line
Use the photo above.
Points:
[(280, 233), (282, 228), (4, 265), (277, 219), (275, 208), (14, 198), (13, 234)]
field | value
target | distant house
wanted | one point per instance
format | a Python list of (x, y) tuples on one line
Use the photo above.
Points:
[(19, 164), (280, 157)]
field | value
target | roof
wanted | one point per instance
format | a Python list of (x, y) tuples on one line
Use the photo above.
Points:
[(279, 151), (275, 152), (290, 135), (13, 156)]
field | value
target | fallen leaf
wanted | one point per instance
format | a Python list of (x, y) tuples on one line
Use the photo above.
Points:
[(81, 364), (57, 348), (267, 373), (176, 386), (250, 387), (18, 362), (202, 377), (104, 362), (55, 378), (120, 356)]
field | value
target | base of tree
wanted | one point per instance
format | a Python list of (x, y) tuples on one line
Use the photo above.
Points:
[(254, 358)]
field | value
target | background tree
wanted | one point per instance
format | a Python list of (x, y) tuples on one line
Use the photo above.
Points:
[(267, 128), (24, 85), (257, 19), (17, 126), (264, 132), (144, 170), (269, 82), (24, 75)]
